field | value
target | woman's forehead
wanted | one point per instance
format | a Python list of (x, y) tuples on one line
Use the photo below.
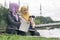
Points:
[(24, 7)]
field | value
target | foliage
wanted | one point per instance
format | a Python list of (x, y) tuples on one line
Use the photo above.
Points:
[(18, 37), (43, 20), (3, 14)]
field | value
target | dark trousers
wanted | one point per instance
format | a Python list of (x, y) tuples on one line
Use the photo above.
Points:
[(32, 33), (21, 33), (31, 30), (12, 31)]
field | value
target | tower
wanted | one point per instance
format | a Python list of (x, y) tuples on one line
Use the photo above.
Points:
[(28, 7), (5, 4), (19, 3), (0, 5), (40, 10)]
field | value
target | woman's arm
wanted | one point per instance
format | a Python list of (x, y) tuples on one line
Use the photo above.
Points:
[(11, 20), (33, 24)]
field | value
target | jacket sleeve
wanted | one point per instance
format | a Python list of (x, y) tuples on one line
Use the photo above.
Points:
[(11, 20)]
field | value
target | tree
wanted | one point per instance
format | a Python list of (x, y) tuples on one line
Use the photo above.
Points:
[(37, 20), (43, 20), (3, 14), (49, 20)]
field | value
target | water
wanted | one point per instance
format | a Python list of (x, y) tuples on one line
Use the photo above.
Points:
[(52, 33)]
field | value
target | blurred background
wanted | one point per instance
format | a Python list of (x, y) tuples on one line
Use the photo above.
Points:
[(45, 11)]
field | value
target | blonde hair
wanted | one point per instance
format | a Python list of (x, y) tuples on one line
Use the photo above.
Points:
[(25, 16)]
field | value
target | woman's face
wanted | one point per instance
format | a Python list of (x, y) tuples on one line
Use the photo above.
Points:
[(24, 10), (16, 10)]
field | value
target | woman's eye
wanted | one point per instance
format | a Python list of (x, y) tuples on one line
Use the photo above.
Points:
[(24, 10)]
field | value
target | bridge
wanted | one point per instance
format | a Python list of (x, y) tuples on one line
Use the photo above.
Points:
[(49, 25), (52, 30)]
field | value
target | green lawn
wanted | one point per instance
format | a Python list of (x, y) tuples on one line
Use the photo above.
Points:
[(18, 37)]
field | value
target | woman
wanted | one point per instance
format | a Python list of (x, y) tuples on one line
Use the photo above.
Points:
[(26, 16), (13, 19)]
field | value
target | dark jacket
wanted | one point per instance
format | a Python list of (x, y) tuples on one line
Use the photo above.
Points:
[(12, 23)]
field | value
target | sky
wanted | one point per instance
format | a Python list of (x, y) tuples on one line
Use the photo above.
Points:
[(50, 8)]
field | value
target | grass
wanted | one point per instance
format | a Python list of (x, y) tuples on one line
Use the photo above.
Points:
[(18, 37)]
